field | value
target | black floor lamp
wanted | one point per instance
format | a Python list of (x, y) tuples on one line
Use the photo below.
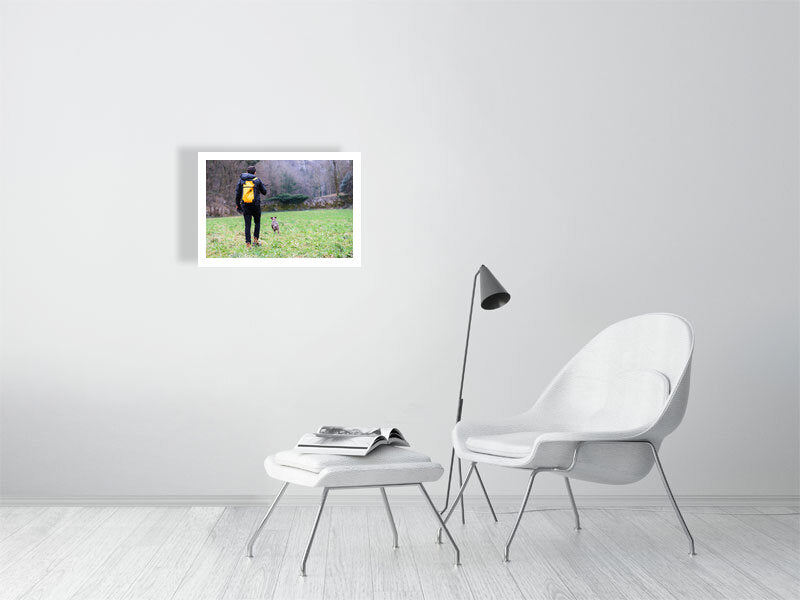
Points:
[(493, 295)]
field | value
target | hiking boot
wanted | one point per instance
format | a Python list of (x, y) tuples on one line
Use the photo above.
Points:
[(256, 242)]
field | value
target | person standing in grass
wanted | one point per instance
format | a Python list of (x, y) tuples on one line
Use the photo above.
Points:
[(248, 203)]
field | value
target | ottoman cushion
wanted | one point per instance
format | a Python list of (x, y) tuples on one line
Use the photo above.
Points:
[(380, 456), (385, 465)]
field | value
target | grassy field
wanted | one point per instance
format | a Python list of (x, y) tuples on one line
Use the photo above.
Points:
[(304, 234)]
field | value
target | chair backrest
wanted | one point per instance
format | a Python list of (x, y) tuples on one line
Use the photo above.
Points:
[(632, 375)]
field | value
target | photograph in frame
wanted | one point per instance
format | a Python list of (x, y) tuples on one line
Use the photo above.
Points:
[(279, 209)]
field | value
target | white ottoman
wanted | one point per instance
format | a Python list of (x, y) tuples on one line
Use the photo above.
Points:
[(383, 467)]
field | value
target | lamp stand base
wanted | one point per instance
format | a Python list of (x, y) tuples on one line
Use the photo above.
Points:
[(460, 483)]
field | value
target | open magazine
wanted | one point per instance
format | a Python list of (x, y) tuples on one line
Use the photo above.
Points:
[(349, 441)]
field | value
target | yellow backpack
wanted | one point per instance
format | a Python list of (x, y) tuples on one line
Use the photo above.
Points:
[(248, 191)]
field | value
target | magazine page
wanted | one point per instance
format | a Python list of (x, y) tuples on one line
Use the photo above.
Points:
[(349, 445), (349, 441), (333, 430), (392, 434), (356, 442)]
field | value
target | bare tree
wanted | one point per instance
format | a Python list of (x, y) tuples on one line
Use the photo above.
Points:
[(335, 177), (317, 179)]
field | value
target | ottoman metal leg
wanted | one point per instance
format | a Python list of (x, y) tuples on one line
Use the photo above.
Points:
[(313, 531), (391, 518), (442, 523), (257, 532)]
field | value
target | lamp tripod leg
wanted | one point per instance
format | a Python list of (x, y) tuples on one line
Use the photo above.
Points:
[(442, 525), (455, 502), (449, 482)]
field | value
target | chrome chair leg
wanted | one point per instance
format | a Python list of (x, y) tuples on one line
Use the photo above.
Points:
[(455, 502), (574, 507), (672, 499), (313, 531), (257, 532), (519, 516), (442, 523), (391, 518), (461, 482), (485, 495)]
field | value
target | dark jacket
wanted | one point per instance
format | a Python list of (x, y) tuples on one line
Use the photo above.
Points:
[(257, 190)]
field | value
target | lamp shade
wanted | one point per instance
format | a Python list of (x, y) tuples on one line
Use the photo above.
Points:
[(493, 294)]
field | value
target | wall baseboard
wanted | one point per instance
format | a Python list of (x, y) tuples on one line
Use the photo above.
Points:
[(363, 499)]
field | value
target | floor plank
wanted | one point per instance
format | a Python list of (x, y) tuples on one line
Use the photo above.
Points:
[(583, 559), (710, 570), (785, 511), (116, 574), (67, 576), (214, 565), (781, 527), (255, 578), (658, 550), (643, 581), (783, 534), (12, 519), (536, 574), (394, 572), (28, 536), (34, 565), (590, 558), (753, 553), (180, 553), (487, 575), (290, 585), (349, 565), (165, 571), (438, 577)]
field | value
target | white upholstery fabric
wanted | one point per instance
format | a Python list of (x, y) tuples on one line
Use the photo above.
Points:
[(383, 466), (630, 382), (380, 456), (510, 445)]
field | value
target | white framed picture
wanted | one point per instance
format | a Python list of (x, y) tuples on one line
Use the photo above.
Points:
[(279, 209)]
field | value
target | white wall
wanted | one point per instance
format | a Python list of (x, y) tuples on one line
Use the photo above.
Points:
[(604, 160)]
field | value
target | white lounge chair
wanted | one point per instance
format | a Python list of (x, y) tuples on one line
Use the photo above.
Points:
[(601, 419)]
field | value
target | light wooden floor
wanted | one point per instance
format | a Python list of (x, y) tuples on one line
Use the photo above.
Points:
[(162, 553)]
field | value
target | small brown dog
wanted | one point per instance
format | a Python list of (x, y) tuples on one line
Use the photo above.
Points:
[(275, 224)]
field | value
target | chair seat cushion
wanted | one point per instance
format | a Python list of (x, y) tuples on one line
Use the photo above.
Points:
[(387, 465), (631, 401), (509, 445)]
